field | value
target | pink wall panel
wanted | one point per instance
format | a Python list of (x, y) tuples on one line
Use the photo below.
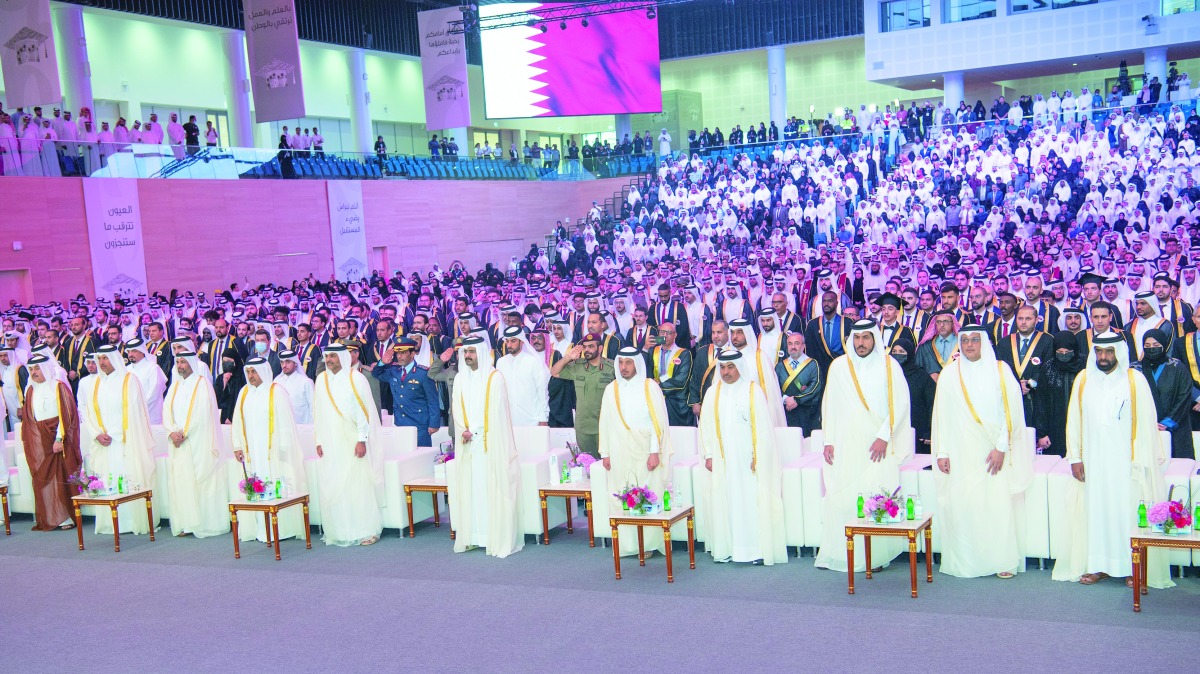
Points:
[(204, 234)]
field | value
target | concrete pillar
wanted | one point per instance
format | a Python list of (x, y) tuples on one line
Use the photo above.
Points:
[(952, 89), (76, 71), (777, 84), (360, 99), (624, 127), (465, 147), (1156, 66), (237, 90)]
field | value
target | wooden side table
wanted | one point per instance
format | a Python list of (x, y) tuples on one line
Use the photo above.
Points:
[(4, 504), (1141, 541), (112, 501), (660, 519), (908, 529), (432, 486), (567, 491), (272, 508)]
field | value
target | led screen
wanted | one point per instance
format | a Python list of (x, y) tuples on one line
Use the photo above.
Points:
[(610, 67)]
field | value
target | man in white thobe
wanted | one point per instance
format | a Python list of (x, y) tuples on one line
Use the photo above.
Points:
[(196, 482), (868, 434), (1112, 430), (485, 476), (635, 441), (527, 377), (150, 376), (176, 136), (758, 367), (265, 444), (298, 386), (116, 432), (746, 494), (984, 462), (351, 489), (770, 337)]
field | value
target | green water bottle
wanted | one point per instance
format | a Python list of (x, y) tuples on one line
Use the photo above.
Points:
[(624, 504), (121, 484), (861, 502), (278, 488), (667, 499), (1142, 521), (1196, 518), (910, 509)]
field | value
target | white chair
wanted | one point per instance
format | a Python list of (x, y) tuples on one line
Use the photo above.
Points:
[(916, 477), (815, 442), (533, 451), (812, 490), (685, 440), (793, 504), (789, 442), (1037, 508), (400, 471), (1060, 486), (1179, 472)]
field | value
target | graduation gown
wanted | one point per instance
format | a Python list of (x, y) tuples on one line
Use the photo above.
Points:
[(1032, 368), (1171, 387), (675, 383), (805, 385)]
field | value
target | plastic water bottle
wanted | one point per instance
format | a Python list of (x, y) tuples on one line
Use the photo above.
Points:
[(910, 509), (121, 484), (278, 488), (1142, 521), (111, 484), (861, 503), (667, 499)]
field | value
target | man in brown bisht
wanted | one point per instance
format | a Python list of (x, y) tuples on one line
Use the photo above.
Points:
[(50, 433)]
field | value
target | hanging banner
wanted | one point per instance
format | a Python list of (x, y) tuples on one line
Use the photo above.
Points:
[(114, 221), (27, 54), (273, 48), (347, 230), (444, 70)]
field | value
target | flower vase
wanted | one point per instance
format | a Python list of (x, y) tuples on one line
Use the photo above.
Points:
[(439, 471), (577, 474), (879, 516)]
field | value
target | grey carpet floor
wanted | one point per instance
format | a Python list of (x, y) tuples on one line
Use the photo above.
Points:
[(186, 605)]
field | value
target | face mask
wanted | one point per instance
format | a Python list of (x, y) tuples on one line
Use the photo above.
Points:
[(1065, 357), (260, 347), (900, 357), (227, 366), (1153, 353)]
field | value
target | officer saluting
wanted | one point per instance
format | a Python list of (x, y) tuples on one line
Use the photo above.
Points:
[(414, 394)]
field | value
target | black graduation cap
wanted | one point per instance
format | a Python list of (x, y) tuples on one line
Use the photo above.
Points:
[(1089, 277), (890, 299)]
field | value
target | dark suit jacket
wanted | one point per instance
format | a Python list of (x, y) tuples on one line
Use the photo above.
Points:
[(675, 312), (814, 341), (629, 340)]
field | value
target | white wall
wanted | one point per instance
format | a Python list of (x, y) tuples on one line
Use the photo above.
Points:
[(1024, 39)]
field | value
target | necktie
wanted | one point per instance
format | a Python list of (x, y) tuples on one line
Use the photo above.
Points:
[(1004, 328), (1024, 346), (979, 319), (795, 364), (829, 332), (403, 375), (662, 361)]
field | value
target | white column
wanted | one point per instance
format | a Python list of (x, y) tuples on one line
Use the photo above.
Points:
[(777, 84), (237, 90), (77, 72), (952, 88), (1156, 66), (624, 127), (360, 99)]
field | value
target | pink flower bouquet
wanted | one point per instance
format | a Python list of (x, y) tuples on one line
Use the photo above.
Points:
[(883, 506), (91, 485), (1172, 517), (254, 488), (640, 499)]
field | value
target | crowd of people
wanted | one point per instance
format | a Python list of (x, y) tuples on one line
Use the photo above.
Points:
[(977, 284)]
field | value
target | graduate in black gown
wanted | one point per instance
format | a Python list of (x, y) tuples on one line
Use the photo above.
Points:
[(921, 388), (1057, 380), (1172, 388)]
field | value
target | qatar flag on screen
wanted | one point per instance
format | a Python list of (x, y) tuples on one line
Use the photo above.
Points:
[(610, 67)]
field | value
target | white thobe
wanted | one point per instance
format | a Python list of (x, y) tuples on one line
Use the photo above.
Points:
[(528, 381), (154, 385), (747, 505), (269, 455), (131, 451), (350, 506), (300, 391), (196, 481)]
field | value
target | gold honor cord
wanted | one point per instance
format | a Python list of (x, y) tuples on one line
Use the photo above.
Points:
[(792, 374), (1003, 397), (270, 420), (191, 406), (1024, 362), (1189, 346), (858, 389), (649, 407), (124, 406), (1133, 408), (938, 355), (753, 426)]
